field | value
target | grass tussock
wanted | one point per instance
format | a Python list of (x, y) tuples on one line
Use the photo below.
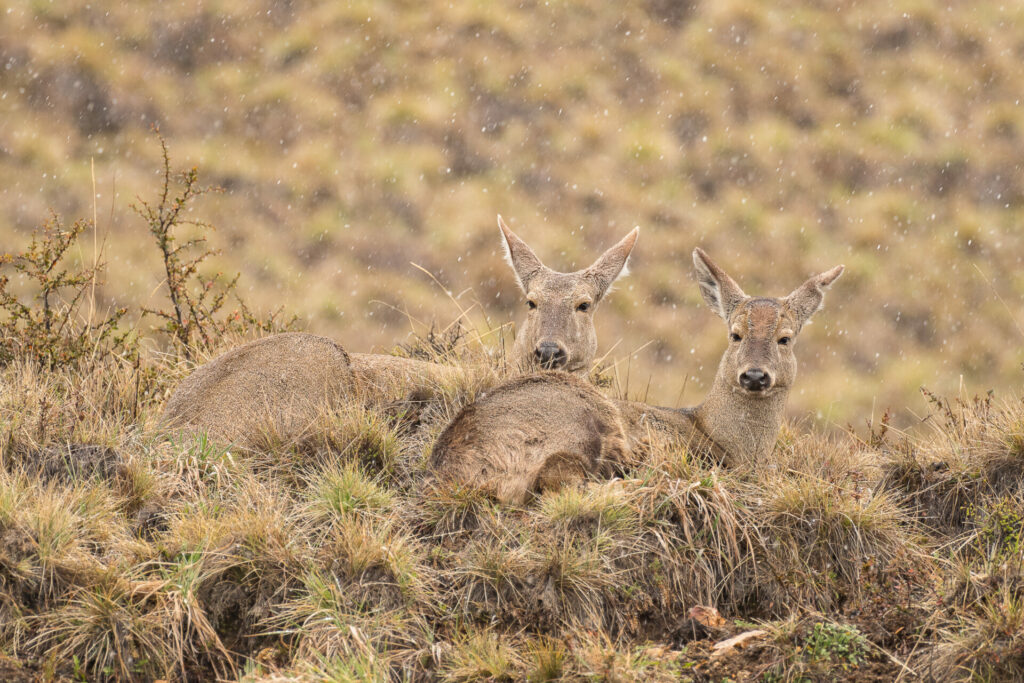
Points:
[(982, 637), (821, 535)]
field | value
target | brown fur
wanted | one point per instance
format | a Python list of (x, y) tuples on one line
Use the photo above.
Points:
[(260, 385), (561, 306), (508, 442), (646, 424), (734, 423), (380, 373)]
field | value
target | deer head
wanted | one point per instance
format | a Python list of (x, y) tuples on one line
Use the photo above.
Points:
[(759, 360), (558, 332)]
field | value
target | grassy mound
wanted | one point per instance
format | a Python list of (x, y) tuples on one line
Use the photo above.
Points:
[(131, 553)]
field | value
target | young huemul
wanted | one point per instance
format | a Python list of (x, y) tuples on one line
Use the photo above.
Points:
[(742, 413), (558, 333), (284, 382), (527, 433)]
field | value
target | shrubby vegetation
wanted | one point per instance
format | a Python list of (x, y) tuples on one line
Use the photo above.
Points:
[(49, 327)]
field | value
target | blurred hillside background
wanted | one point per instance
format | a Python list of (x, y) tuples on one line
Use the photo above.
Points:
[(355, 138)]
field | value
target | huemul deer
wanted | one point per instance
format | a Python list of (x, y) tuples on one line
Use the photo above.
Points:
[(283, 382), (742, 413), (532, 433), (527, 434), (558, 333)]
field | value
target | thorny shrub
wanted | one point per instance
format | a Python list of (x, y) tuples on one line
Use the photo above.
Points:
[(197, 318), (50, 327)]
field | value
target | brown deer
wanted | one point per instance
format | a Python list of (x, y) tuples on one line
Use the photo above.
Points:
[(742, 413), (283, 382), (540, 432), (558, 333), (532, 433)]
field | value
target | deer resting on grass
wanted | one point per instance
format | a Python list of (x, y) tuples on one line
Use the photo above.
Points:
[(536, 433), (742, 413), (558, 332), (285, 381)]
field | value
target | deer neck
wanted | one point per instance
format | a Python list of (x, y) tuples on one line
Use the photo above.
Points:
[(744, 426)]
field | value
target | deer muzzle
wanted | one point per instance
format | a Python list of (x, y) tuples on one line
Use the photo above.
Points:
[(550, 356), (755, 379)]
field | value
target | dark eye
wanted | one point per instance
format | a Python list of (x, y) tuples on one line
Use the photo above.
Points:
[(735, 337), (531, 304), (784, 341), (583, 307)]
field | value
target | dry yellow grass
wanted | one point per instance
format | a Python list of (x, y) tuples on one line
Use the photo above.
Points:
[(128, 552)]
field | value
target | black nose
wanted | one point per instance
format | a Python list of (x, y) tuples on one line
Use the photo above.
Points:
[(755, 379), (550, 355)]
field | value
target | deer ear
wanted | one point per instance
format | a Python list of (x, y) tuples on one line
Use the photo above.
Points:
[(720, 292), (806, 300), (613, 263), (524, 262)]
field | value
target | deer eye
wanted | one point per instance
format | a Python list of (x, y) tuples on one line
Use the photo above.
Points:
[(583, 307), (785, 341), (531, 304), (735, 337)]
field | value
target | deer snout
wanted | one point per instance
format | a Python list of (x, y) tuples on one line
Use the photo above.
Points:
[(755, 379), (550, 356)]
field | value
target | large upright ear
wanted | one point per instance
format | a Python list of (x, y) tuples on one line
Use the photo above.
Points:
[(806, 300), (721, 293), (522, 259), (613, 263)]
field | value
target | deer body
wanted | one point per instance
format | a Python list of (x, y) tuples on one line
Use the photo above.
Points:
[(502, 446), (726, 427), (377, 372), (240, 393), (502, 443), (283, 381)]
